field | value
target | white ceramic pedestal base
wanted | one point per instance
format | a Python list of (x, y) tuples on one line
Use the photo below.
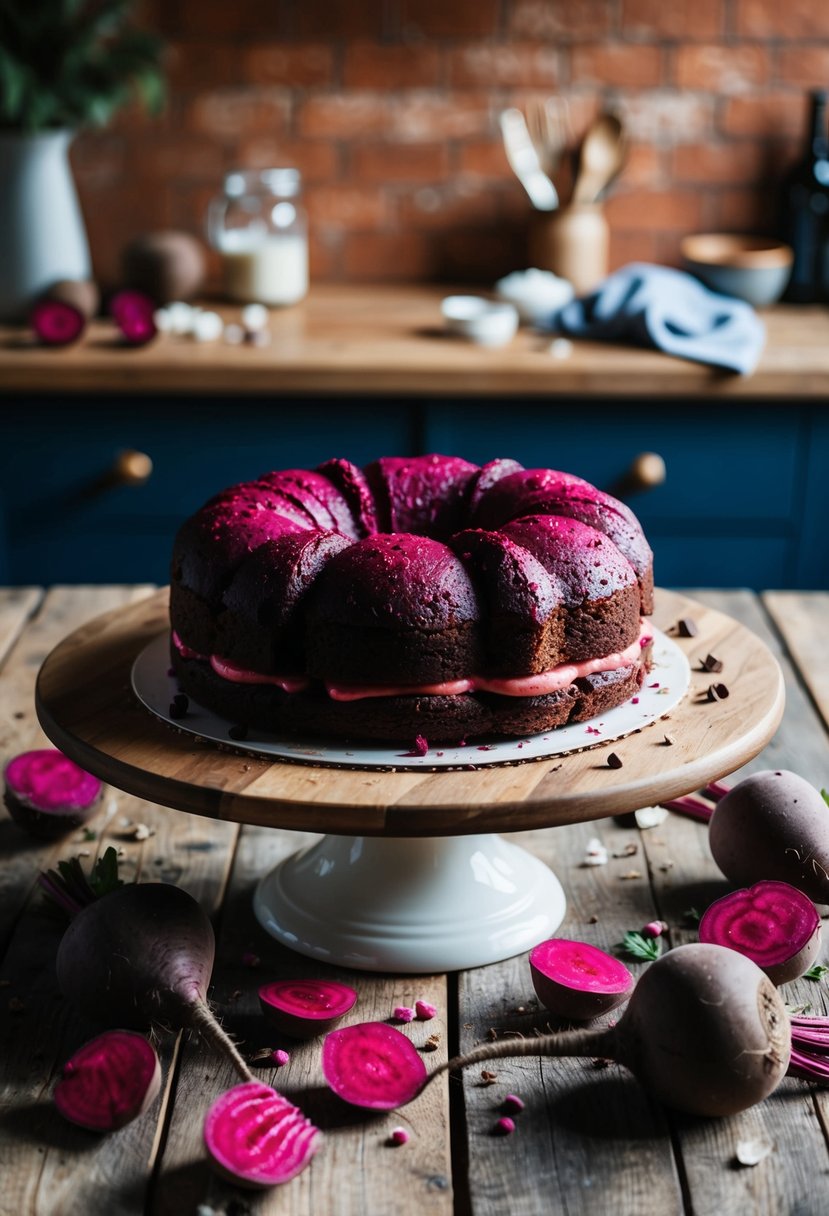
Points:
[(411, 904)]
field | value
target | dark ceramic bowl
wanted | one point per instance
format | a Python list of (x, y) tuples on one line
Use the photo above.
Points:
[(752, 268)]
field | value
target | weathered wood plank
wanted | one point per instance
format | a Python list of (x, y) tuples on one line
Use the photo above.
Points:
[(16, 606), (589, 1140), (50, 1167), (802, 618), (683, 875), (355, 1171)]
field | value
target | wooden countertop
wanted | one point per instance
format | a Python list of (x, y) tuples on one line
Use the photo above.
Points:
[(589, 1138), (389, 340)]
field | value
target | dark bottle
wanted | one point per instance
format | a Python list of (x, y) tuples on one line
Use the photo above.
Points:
[(805, 212)]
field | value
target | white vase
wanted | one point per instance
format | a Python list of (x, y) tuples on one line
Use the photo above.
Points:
[(42, 235)]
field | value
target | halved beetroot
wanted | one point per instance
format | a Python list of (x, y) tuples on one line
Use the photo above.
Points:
[(109, 1081), (132, 312), (372, 1065), (257, 1138), (772, 923), (304, 1008), (576, 980), (56, 322), (47, 794)]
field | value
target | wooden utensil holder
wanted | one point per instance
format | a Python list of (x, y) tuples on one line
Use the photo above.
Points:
[(574, 243)]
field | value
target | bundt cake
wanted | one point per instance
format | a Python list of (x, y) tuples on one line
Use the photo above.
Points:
[(418, 596)]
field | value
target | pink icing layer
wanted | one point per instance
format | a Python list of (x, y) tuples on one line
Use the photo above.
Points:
[(50, 781), (515, 686)]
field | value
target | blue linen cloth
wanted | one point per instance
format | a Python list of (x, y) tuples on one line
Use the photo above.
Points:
[(671, 311)]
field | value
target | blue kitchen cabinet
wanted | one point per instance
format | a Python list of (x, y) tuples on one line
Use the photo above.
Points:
[(745, 501)]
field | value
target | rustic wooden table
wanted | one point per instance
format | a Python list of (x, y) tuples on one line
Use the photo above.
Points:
[(589, 1140)]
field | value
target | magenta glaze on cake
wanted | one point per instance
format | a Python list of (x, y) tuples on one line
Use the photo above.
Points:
[(515, 494), (512, 579), (352, 484), (50, 781), (488, 476), (424, 494), (585, 563), (326, 506), (268, 590), (397, 581)]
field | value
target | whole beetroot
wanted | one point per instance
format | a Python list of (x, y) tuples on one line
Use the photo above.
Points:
[(773, 825)]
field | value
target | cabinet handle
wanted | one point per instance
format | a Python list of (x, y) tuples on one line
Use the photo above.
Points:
[(130, 468), (647, 470)]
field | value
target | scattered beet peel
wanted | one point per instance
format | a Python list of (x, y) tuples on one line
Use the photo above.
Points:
[(372, 1065), (109, 1081), (772, 923), (577, 980), (305, 1008), (257, 1138), (48, 795)]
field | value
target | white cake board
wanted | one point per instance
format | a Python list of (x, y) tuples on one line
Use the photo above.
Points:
[(414, 905)]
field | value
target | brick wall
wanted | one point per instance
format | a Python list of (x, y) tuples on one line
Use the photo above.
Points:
[(389, 107)]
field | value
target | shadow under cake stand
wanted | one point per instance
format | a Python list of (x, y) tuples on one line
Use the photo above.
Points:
[(412, 875)]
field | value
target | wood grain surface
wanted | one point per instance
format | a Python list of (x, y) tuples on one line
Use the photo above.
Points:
[(85, 705), (386, 339)]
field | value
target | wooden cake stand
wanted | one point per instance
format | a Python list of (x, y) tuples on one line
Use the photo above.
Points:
[(412, 876)]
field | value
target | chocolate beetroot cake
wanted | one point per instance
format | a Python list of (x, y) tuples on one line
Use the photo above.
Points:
[(418, 596)]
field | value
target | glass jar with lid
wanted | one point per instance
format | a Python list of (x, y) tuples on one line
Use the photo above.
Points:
[(260, 228)]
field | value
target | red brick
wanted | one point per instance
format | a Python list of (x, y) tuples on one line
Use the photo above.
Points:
[(284, 63), (722, 68), (766, 116), (390, 256), (674, 21), (643, 166), (317, 160), (553, 19), (234, 112), (655, 210), (771, 19), (355, 208), (214, 19), (804, 66), (747, 210), (484, 158), (400, 162), (665, 117), (465, 203), (179, 156), (613, 63), (425, 117), (481, 255), (323, 258), (335, 18), (485, 65), (370, 65), (449, 18), (142, 208), (739, 161), (344, 115), (201, 64), (632, 247), (99, 159)]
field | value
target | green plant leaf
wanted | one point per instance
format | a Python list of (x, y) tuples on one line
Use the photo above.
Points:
[(817, 972), (825, 796), (639, 946)]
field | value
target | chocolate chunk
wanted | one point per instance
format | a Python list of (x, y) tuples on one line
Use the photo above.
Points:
[(717, 692), (710, 663), (686, 628), (668, 740), (179, 706), (238, 732), (613, 761)]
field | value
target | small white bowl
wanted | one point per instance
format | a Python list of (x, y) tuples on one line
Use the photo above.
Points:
[(539, 295), (486, 322)]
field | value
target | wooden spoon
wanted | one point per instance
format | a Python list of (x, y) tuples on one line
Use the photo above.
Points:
[(601, 156)]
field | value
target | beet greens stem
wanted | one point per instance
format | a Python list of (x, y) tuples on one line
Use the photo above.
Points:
[(715, 790), (694, 808), (202, 1020)]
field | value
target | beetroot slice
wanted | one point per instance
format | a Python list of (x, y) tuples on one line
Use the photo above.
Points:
[(256, 1137), (577, 980), (304, 1008), (133, 312), (48, 794), (56, 323), (372, 1065), (109, 1081), (772, 923)]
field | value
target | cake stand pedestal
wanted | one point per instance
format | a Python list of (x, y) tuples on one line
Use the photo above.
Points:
[(410, 877)]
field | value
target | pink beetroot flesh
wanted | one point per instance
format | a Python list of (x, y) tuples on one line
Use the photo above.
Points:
[(109, 1081), (133, 314), (46, 793), (772, 923), (258, 1138), (304, 1008), (372, 1065), (577, 980), (56, 323)]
